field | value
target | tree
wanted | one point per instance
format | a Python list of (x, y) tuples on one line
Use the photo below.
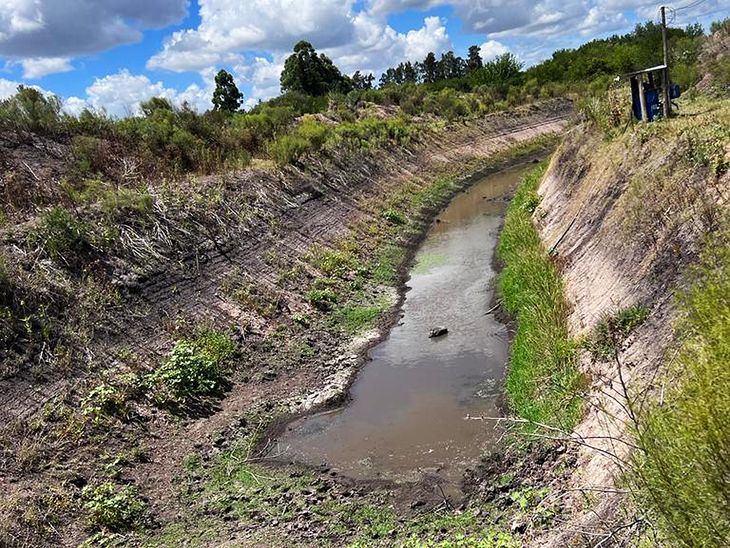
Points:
[(410, 73), (153, 104), (429, 68), (450, 66), (362, 81), (226, 96), (474, 61), (306, 72)]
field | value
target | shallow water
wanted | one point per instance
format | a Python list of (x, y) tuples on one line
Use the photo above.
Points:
[(409, 407)]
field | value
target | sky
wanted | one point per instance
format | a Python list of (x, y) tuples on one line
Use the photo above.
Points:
[(112, 54)]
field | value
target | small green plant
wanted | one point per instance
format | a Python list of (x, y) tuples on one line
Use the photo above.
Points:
[(113, 508), (61, 235), (301, 319), (356, 319), (612, 330), (322, 299), (216, 345), (190, 371), (531, 201), (394, 216), (105, 402)]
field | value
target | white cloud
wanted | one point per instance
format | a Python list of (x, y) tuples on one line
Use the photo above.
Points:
[(492, 49), (263, 75), (229, 26), (39, 67), (120, 94), (8, 88), (66, 28), (378, 46)]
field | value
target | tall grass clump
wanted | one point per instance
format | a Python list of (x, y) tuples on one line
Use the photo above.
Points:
[(683, 466), (543, 382)]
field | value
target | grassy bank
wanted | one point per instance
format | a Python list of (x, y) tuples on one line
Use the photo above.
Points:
[(682, 467), (543, 381)]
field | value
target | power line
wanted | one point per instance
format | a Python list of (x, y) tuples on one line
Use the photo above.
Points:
[(690, 5)]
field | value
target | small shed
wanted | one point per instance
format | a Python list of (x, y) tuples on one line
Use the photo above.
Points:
[(648, 95)]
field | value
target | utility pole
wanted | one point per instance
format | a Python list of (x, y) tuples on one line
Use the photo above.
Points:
[(667, 107)]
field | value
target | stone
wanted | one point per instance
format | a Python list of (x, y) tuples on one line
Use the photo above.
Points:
[(517, 526)]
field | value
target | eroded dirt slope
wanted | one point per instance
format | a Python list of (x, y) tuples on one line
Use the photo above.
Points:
[(625, 218)]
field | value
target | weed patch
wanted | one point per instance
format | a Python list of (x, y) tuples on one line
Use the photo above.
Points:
[(612, 330), (322, 299), (113, 508), (193, 369), (61, 235)]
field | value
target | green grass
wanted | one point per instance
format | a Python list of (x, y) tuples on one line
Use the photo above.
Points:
[(543, 384), (358, 318), (682, 468)]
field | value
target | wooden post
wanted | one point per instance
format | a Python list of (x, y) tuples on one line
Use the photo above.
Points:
[(642, 99), (667, 106)]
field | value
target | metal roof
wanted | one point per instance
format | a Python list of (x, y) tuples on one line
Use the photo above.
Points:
[(652, 69)]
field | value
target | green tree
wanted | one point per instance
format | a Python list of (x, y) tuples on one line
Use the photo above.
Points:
[(314, 74), (362, 81), (226, 96), (153, 104), (429, 68), (30, 109), (474, 61)]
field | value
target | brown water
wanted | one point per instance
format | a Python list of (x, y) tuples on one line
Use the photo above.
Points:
[(409, 407)]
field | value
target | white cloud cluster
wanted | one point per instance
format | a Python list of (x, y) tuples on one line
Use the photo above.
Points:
[(44, 34), (540, 18), (491, 49), (120, 94), (229, 26), (38, 67)]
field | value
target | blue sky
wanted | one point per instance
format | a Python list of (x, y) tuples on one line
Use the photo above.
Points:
[(112, 54)]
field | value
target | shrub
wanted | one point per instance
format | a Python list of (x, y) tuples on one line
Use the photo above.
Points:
[(30, 110), (61, 235), (111, 508), (610, 331), (682, 470), (87, 152), (191, 370), (707, 147)]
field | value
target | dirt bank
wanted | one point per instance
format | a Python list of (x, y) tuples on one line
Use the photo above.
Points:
[(625, 217), (236, 253)]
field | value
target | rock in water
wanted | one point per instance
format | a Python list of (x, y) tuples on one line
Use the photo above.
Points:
[(438, 332)]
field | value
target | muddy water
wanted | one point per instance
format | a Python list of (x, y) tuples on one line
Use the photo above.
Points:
[(409, 406)]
